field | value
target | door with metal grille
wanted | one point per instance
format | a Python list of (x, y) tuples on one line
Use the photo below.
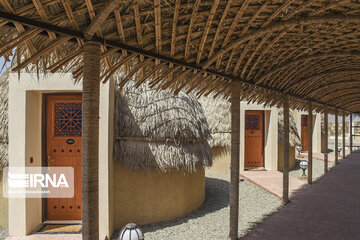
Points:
[(254, 139), (63, 149)]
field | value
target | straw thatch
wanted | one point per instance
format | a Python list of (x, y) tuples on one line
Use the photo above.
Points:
[(218, 115), (304, 49), (156, 130), (4, 89), (294, 138)]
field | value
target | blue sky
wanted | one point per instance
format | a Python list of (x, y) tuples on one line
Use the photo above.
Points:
[(2, 60)]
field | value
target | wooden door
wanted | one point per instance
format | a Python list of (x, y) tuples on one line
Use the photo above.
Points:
[(304, 132), (63, 149), (254, 139)]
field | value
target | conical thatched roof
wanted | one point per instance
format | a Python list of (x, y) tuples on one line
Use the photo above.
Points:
[(217, 112), (157, 130), (294, 137), (4, 89)]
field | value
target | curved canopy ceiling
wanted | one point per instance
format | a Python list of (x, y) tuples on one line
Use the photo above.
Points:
[(308, 50)]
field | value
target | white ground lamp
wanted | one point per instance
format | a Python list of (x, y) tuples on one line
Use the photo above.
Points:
[(131, 232), (304, 166), (339, 149), (299, 149)]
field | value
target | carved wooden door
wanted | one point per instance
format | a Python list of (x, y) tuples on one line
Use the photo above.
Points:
[(254, 139), (63, 148), (304, 132)]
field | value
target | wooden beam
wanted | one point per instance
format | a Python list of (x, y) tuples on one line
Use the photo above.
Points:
[(219, 27), (191, 24), (326, 148), (206, 30), (351, 133), (336, 137), (286, 151), (235, 160), (100, 18), (158, 43), (343, 134), (278, 26), (310, 138)]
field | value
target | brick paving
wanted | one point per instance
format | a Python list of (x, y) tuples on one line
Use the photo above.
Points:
[(327, 210), (272, 181), (320, 156)]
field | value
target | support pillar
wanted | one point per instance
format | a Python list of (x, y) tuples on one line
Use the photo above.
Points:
[(351, 134), (310, 137), (90, 142), (286, 152), (343, 134), (336, 137), (235, 160), (326, 148)]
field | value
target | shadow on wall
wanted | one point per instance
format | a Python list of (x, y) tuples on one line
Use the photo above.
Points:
[(217, 197)]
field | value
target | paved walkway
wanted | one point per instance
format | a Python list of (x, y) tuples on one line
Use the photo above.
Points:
[(328, 210), (55, 236), (272, 181), (320, 156)]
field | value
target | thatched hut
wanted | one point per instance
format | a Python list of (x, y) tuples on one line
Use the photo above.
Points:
[(218, 115), (294, 139), (160, 153), (4, 88), (4, 160)]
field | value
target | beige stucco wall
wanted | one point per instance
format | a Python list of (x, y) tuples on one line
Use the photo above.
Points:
[(221, 160), (316, 129), (270, 134), (281, 157), (221, 156), (25, 104), (151, 196)]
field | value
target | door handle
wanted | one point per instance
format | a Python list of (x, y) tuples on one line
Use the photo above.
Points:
[(49, 159)]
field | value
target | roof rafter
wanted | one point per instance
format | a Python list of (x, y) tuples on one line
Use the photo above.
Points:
[(115, 44), (277, 26)]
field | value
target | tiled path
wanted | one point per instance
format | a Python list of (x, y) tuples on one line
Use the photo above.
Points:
[(51, 237), (320, 156), (271, 181), (328, 210)]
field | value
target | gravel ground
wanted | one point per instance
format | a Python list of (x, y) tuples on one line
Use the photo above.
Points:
[(211, 220), (318, 169), (3, 233)]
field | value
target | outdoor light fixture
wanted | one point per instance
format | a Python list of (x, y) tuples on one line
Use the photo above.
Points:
[(339, 149), (131, 232), (304, 166), (299, 149)]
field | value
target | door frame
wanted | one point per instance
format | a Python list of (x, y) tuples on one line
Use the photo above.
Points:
[(263, 137), (44, 140)]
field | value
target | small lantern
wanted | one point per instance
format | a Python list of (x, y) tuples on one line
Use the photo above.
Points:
[(339, 149), (304, 166), (299, 149), (131, 232)]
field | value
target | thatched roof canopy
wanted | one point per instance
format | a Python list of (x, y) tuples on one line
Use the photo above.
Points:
[(157, 130), (308, 50)]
